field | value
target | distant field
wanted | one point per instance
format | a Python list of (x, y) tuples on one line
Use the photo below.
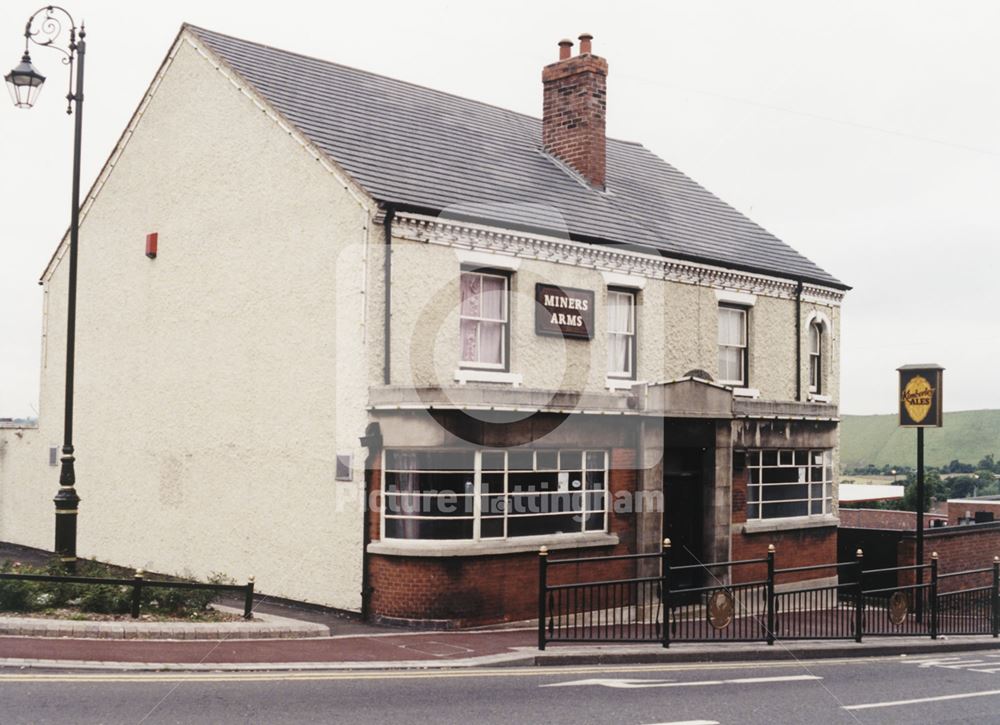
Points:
[(878, 439)]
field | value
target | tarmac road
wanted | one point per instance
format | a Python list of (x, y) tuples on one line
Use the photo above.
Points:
[(952, 687)]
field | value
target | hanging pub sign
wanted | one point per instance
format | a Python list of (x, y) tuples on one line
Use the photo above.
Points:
[(920, 396), (564, 311)]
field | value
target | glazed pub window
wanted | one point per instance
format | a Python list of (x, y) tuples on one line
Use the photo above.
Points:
[(473, 495), (621, 334), (784, 483), (733, 345), (484, 317), (815, 358)]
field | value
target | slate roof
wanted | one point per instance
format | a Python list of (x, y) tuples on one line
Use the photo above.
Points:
[(425, 150)]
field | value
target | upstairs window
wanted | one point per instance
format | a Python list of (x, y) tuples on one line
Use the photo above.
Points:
[(815, 358), (733, 345), (484, 318), (621, 334)]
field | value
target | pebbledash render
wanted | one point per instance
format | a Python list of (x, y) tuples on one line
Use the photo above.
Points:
[(393, 341)]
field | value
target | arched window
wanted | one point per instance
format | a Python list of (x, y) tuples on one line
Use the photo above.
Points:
[(815, 357)]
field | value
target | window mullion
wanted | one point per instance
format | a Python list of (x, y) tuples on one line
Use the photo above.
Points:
[(477, 490)]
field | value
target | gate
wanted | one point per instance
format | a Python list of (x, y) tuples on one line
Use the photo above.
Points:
[(751, 600)]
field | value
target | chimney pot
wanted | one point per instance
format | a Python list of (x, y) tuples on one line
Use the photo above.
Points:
[(585, 39), (564, 48)]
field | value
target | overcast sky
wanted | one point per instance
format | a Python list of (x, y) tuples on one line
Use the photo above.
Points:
[(866, 135)]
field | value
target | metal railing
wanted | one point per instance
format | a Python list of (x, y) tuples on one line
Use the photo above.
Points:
[(643, 606), (138, 582), (629, 609)]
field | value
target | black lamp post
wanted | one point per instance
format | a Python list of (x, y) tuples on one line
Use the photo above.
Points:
[(44, 28)]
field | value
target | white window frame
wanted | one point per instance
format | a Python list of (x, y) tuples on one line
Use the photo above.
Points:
[(505, 320), (629, 334), (786, 459), (816, 357), (744, 349), (479, 494)]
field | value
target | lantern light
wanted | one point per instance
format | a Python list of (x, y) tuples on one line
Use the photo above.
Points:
[(24, 83)]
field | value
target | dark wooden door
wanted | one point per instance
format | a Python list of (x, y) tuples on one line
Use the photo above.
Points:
[(683, 512)]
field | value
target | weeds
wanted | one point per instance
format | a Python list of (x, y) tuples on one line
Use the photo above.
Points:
[(30, 596)]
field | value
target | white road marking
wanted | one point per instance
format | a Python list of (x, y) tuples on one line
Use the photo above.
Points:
[(917, 701), (688, 722), (952, 663), (640, 684)]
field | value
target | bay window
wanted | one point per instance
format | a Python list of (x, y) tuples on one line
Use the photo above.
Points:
[(493, 494)]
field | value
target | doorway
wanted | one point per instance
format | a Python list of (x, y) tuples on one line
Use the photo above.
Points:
[(684, 470)]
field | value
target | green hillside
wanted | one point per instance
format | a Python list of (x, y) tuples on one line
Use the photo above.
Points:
[(877, 439)]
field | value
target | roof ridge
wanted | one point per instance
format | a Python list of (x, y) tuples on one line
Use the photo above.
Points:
[(527, 116)]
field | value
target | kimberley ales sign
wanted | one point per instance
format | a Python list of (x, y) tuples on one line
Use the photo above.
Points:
[(920, 396), (564, 311)]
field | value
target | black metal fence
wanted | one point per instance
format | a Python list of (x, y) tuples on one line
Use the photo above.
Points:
[(139, 582), (751, 600)]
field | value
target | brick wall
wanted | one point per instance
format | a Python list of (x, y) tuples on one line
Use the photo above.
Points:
[(474, 590), (958, 509), (796, 547), (879, 519), (959, 548), (740, 481)]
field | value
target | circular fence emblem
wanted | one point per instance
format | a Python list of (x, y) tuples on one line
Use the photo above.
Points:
[(899, 607), (720, 608)]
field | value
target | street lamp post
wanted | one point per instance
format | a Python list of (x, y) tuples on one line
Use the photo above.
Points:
[(44, 28)]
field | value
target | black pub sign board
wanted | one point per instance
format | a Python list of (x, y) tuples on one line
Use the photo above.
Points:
[(920, 396), (564, 311)]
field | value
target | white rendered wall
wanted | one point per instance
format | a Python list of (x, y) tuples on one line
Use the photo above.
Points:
[(216, 383)]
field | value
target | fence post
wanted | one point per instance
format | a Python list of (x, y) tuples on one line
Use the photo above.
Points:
[(859, 597), (770, 594), (934, 593), (995, 598), (248, 600), (543, 562), (137, 592), (665, 592)]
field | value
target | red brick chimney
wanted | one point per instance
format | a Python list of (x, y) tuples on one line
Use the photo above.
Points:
[(574, 110)]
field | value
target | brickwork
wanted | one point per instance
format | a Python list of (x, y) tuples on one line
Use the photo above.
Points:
[(963, 508), (574, 111), (740, 480), (879, 519), (474, 590), (796, 547), (959, 548)]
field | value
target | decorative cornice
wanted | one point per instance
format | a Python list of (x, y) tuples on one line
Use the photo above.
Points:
[(466, 235)]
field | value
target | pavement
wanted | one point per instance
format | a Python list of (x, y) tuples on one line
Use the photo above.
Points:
[(285, 636)]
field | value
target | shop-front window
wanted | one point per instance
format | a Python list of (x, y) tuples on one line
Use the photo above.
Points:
[(488, 494), (785, 483)]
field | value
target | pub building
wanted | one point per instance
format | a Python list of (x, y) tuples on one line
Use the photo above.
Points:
[(499, 332)]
